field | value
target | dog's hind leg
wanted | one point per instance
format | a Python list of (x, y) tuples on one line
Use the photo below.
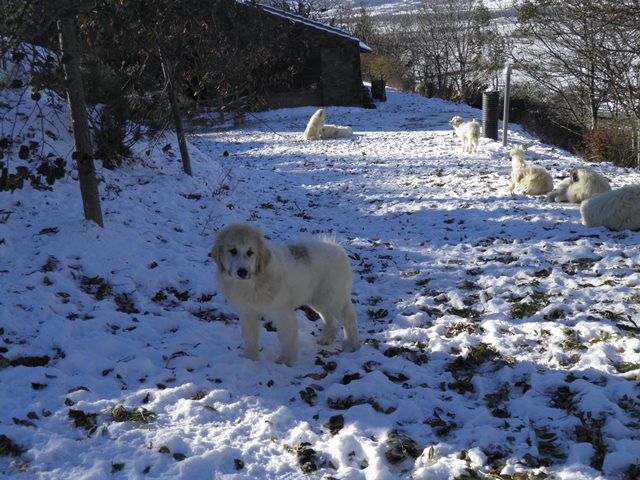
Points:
[(286, 323), (329, 326), (350, 328)]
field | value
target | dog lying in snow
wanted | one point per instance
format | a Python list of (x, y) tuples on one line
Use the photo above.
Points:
[(260, 278), (331, 132), (467, 132), (314, 126), (527, 178), (616, 210), (317, 130), (582, 183)]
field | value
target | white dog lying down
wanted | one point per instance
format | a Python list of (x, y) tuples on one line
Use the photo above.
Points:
[(581, 184), (468, 133), (527, 178), (260, 278), (616, 210), (317, 130), (314, 126), (331, 132)]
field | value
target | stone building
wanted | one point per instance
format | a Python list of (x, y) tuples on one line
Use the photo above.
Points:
[(324, 65)]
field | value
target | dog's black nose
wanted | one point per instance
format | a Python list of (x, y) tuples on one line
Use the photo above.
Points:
[(242, 272)]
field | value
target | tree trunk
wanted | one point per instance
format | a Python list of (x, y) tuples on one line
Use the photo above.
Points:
[(75, 95), (175, 112)]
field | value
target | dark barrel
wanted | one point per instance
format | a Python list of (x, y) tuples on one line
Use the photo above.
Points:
[(490, 114)]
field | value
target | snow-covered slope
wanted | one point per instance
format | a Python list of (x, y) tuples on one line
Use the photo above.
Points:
[(499, 334)]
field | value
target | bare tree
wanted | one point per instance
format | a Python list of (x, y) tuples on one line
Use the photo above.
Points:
[(566, 42), (620, 56), (71, 59), (172, 93), (622, 61), (450, 40)]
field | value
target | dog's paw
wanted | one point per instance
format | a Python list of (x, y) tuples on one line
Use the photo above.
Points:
[(251, 355), (327, 338), (285, 360), (350, 346)]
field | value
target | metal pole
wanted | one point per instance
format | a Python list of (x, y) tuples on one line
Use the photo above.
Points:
[(505, 113), (638, 144)]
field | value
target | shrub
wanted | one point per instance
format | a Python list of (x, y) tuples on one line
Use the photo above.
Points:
[(534, 110), (112, 141), (390, 69), (611, 142)]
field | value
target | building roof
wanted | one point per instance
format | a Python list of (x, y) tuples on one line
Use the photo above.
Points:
[(308, 22)]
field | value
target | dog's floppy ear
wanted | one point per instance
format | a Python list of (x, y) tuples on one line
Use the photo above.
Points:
[(574, 175), (263, 256), (217, 254)]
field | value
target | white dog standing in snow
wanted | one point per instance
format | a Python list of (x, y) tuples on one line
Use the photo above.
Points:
[(616, 210), (526, 178), (468, 133), (265, 279), (314, 126), (581, 184)]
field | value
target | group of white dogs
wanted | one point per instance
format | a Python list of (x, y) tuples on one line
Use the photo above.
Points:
[(264, 279), (600, 206)]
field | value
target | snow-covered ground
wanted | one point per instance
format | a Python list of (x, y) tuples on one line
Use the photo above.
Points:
[(500, 336)]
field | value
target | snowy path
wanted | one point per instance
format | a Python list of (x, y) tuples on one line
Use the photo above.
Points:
[(498, 333), (447, 263)]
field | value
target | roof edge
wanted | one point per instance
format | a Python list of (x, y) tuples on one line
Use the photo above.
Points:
[(306, 21)]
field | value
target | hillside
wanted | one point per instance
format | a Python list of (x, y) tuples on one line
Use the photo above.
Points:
[(500, 336)]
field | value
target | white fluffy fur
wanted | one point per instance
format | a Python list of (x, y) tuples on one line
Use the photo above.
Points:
[(581, 184), (330, 132), (314, 126), (616, 210), (526, 178), (468, 133), (517, 156), (264, 279)]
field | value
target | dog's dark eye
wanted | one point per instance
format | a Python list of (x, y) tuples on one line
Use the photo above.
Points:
[(233, 251), (249, 253)]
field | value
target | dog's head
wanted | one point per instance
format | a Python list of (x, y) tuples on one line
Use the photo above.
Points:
[(320, 115), (578, 174), (519, 150), (456, 121), (517, 158), (241, 251)]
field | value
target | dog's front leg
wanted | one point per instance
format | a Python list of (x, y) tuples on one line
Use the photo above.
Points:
[(250, 325), (287, 325)]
